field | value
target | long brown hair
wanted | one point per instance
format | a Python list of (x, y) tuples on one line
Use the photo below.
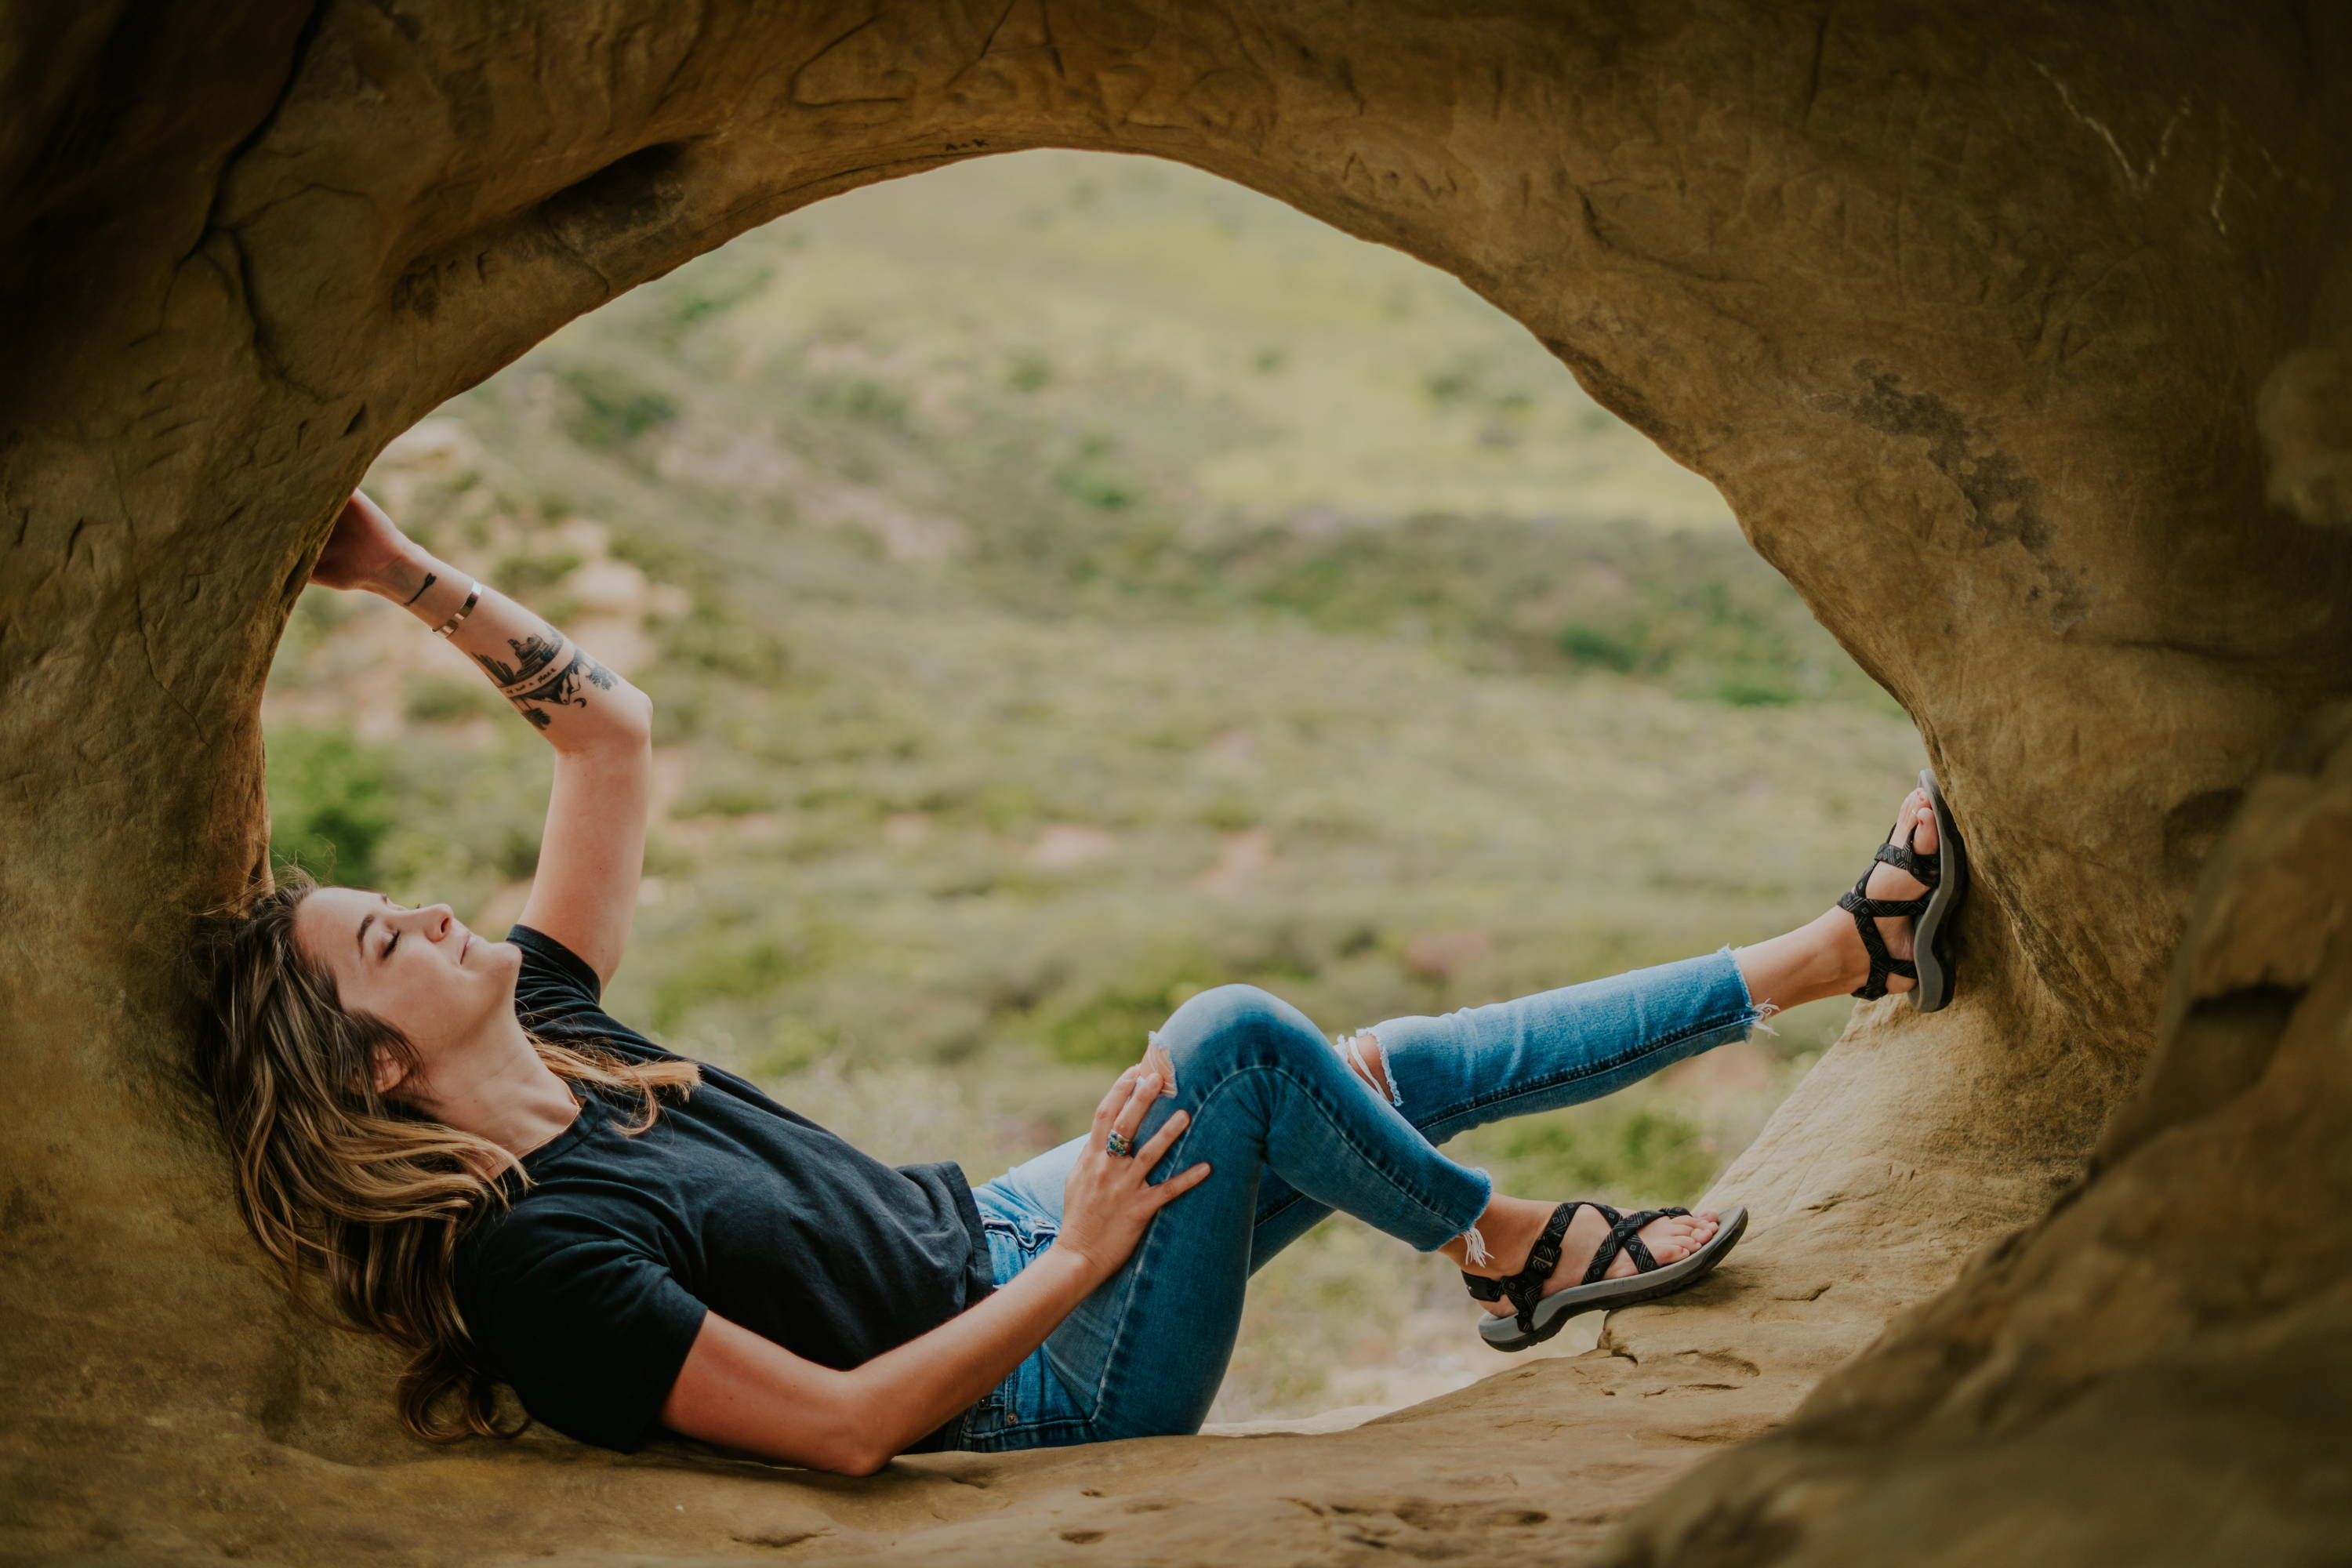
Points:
[(335, 1178)]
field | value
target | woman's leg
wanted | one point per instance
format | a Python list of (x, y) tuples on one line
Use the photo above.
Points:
[(1143, 1355), (1556, 1048), (1292, 1131), (1562, 1047)]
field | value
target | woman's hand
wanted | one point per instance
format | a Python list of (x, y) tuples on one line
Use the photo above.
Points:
[(1107, 1202), (365, 550)]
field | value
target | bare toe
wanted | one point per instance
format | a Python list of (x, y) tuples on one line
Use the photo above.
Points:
[(1921, 820)]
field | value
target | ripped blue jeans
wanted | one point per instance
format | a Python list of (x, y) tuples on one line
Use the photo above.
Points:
[(1293, 1132)]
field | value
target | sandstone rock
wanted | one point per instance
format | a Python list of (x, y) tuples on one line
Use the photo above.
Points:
[(2156, 1371), (1980, 317)]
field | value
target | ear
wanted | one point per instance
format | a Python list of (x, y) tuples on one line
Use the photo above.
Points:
[(386, 1071)]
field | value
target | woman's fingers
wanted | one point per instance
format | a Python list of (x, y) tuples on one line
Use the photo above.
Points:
[(1177, 1185), (1142, 1089), (1169, 1130), (1113, 1102)]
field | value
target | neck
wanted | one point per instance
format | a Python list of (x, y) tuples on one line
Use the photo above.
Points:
[(497, 1087)]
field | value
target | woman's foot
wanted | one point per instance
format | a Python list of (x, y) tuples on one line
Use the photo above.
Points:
[(1917, 818), (1826, 956), (1509, 1228)]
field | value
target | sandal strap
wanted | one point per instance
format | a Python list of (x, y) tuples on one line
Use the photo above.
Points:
[(1923, 867), (1928, 868), (1606, 1253), (1526, 1287), (1865, 911), (1625, 1236), (1862, 904), (1868, 911), (1632, 1243)]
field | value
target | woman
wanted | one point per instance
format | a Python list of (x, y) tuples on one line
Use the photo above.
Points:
[(518, 1188)]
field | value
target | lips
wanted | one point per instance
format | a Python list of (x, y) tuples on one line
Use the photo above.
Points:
[(465, 947)]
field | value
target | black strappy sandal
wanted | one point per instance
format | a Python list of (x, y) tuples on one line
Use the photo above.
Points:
[(1945, 873), (1540, 1316)]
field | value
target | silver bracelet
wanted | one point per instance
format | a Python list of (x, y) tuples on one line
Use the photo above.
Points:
[(473, 596)]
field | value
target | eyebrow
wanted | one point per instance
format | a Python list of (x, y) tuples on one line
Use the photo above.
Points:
[(366, 920)]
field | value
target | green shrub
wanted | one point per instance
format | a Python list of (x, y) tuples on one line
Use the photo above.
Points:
[(608, 408), (528, 575), (727, 798), (1094, 479), (1107, 1026), (441, 700), (711, 291), (330, 802), (1756, 686), (714, 637), (1619, 1150), (1588, 645), (1029, 370), (861, 398), (721, 971)]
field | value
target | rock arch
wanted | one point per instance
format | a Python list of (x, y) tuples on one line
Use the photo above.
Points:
[(2015, 336)]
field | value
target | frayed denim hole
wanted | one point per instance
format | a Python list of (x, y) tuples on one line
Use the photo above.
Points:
[(1351, 1050)]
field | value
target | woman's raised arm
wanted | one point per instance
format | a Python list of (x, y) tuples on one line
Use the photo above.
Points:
[(592, 852)]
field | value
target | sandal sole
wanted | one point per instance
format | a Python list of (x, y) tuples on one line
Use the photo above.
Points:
[(1934, 990), (1553, 1313)]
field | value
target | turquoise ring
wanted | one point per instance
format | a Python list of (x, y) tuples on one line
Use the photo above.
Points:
[(1120, 1144)]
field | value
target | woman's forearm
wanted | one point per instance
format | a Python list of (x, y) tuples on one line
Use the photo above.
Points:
[(745, 1392), (1108, 1201), (911, 1390), (742, 1390), (573, 700)]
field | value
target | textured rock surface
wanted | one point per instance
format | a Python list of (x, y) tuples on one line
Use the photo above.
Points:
[(2157, 1371), (2014, 333)]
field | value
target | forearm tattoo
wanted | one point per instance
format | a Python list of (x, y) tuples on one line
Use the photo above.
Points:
[(549, 671)]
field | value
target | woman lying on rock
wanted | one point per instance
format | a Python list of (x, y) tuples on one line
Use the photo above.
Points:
[(518, 1188)]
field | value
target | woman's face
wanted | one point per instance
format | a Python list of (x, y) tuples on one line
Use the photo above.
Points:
[(419, 970)]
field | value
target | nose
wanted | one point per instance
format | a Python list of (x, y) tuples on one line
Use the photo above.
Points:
[(432, 922)]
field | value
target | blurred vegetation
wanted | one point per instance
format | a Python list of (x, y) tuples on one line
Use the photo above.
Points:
[(330, 802), (1168, 591)]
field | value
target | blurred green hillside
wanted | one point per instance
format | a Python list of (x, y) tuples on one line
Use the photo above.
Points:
[(1068, 582)]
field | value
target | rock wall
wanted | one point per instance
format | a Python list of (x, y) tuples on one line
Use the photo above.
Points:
[(2016, 336), (2157, 1371)]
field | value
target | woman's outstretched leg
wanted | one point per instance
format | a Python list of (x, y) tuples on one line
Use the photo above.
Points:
[(1562, 1047), (1565, 1046), (1443, 1076)]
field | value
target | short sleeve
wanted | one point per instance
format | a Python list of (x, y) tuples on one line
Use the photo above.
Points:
[(554, 981), (588, 1327), (557, 996)]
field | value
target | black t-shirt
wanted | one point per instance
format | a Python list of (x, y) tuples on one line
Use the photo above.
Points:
[(586, 1293)]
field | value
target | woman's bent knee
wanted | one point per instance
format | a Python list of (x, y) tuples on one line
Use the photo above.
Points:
[(1222, 1005), (1227, 1024)]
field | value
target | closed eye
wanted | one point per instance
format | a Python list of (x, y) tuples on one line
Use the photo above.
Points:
[(394, 939)]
